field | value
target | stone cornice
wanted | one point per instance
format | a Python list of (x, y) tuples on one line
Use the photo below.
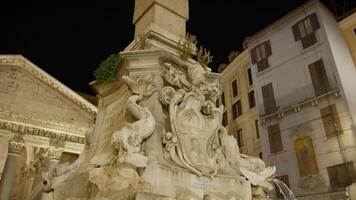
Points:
[(36, 131), (22, 62)]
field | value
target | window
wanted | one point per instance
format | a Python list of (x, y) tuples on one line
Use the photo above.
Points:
[(285, 180), (275, 140), (260, 155), (224, 119), (319, 78), (236, 109), (331, 121), (234, 88), (305, 30), (341, 175), (257, 131), (223, 98), (217, 102), (268, 99), (249, 75), (239, 138), (251, 99), (260, 55)]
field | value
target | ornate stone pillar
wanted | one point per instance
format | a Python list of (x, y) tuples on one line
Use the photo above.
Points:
[(15, 148), (54, 155)]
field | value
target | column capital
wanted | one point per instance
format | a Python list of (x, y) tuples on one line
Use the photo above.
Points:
[(54, 153), (16, 146)]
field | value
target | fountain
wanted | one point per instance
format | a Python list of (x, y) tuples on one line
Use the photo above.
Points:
[(284, 189), (158, 132)]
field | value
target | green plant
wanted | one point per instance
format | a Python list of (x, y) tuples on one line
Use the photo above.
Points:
[(107, 71), (186, 45), (203, 56)]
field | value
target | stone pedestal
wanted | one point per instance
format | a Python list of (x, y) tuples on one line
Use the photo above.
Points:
[(9, 174), (170, 182)]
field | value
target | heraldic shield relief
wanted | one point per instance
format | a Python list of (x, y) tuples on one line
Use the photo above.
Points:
[(195, 121)]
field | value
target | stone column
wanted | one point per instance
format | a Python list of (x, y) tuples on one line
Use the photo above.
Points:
[(54, 155), (9, 174)]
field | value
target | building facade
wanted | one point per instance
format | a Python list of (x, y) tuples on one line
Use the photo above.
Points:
[(348, 28), (304, 80), (238, 98), (42, 123)]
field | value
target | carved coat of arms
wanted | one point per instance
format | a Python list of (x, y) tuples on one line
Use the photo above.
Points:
[(195, 121)]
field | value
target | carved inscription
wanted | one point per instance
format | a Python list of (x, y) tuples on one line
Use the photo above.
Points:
[(27, 130)]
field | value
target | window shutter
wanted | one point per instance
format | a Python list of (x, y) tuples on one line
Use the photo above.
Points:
[(262, 65), (314, 21), (309, 40), (275, 140), (268, 99), (296, 32), (331, 121), (268, 48), (253, 55)]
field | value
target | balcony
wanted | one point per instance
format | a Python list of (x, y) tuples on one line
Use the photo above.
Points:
[(296, 99)]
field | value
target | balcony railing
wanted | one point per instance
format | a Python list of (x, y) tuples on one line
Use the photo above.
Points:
[(296, 98)]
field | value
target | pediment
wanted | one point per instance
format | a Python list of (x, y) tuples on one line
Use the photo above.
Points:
[(30, 95)]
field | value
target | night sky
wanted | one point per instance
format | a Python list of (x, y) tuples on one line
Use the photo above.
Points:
[(69, 41)]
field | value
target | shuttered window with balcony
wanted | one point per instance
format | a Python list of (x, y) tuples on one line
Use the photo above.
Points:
[(275, 140), (319, 78), (305, 29), (260, 54), (269, 102)]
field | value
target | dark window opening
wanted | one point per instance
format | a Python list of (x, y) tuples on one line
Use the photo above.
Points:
[(239, 138), (249, 75), (234, 88), (342, 175), (257, 131), (251, 99), (236, 109)]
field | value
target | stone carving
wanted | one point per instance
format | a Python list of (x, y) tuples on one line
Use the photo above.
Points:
[(170, 134), (127, 140), (192, 142), (252, 168), (16, 146), (54, 153)]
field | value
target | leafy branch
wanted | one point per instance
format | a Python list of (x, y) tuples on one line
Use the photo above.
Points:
[(107, 71), (186, 47)]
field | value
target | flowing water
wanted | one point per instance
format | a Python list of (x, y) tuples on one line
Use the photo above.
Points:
[(284, 190)]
